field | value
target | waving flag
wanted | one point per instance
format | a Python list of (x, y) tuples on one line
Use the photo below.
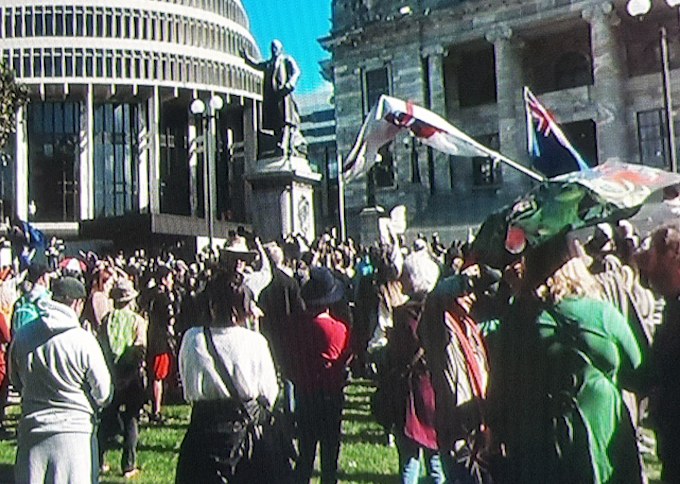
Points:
[(550, 149), (391, 115)]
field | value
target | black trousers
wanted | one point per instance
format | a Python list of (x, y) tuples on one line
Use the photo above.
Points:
[(319, 417)]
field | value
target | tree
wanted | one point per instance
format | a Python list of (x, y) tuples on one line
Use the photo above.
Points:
[(12, 97)]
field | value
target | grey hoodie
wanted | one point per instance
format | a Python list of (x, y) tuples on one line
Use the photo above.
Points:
[(60, 371)]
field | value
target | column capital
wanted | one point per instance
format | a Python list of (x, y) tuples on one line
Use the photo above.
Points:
[(499, 33), (601, 12), (433, 50)]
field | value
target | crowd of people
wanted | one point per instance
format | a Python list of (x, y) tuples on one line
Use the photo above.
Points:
[(541, 370)]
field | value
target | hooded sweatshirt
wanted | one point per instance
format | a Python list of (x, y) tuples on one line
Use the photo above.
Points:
[(60, 371)]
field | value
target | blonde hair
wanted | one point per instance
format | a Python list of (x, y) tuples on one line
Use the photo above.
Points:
[(573, 279)]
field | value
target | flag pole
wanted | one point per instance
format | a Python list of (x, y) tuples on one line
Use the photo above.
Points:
[(341, 200), (497, 156)]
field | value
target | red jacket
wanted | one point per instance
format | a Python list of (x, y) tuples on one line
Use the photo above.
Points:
[(323, 345)]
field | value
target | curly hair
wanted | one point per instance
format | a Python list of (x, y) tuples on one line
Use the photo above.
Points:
[(572, 279)]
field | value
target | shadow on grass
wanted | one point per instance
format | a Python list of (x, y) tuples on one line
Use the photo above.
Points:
[(357, 405), (6, 473), (373, 437), (368, 477), (357, 417), (160, 449)]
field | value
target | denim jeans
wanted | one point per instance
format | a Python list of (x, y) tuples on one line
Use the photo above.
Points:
[(411, 467)]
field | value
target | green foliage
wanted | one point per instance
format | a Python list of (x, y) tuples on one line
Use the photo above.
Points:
[(12, 96)]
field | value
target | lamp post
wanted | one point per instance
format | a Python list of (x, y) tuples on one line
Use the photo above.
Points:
[(638, 8), (208, 114)]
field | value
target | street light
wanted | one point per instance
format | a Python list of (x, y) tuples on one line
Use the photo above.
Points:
[(208, 114), (638, 8)]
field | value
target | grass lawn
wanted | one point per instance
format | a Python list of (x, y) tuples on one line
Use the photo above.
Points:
[(364, 456)]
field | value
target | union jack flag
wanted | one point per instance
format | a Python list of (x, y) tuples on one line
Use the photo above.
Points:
[(551, 150)]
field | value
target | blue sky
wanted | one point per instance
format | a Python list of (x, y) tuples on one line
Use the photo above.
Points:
[(297, 24)]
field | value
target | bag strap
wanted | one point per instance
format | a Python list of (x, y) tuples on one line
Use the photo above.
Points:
[(221, 367)]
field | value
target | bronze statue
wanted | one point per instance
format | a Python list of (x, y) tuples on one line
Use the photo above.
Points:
[(279, 111)]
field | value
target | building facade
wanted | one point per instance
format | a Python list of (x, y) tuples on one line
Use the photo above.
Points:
[(318, 128), (107, 147), (594, 66)]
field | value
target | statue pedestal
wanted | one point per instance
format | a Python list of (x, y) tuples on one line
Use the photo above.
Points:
[(283, 198), (369, 225)]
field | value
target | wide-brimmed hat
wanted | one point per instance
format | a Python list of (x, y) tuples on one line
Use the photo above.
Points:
[(237, 248), (322, 288), (123, 291)]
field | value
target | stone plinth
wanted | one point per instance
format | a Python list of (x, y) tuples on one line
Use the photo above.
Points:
[(283, 198), (369, 225)]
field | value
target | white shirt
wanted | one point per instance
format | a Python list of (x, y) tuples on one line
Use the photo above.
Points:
[(245, 354)]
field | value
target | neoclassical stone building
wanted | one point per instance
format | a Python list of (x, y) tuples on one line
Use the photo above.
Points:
[(107, 147), (597, 68)]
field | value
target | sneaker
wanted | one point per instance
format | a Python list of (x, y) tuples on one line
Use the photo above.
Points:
[(131, 473)]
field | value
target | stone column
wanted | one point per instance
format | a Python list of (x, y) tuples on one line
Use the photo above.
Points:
[(86, 181), (21, 158), (508, 88), (436, 101), (194, 142), (143, 140), (608, 72), (154, 153)]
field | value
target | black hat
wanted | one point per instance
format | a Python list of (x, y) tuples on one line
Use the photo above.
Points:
[(36, 271), (68, 288), (322, 289)]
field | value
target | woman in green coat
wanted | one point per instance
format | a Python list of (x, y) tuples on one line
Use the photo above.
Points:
[(555, 399)]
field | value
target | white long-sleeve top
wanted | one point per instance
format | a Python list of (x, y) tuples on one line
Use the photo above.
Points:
[(246, 355)]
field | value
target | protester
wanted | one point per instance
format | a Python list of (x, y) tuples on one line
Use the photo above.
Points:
[(215, 447), (98, 303), (660, 265), (62, 376), (407, 378), (555, 404), (323, 344), (123, 339), (161, 337), (36, 287)]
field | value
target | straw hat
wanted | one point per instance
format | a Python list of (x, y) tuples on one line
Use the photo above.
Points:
[(123, 291)]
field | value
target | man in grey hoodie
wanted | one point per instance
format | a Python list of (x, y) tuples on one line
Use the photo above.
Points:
[(60, 371)]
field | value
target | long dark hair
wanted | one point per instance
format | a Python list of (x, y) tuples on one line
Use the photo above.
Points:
[(229, 300)]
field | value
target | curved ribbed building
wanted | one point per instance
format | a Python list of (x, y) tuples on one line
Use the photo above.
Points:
[(107, 147)]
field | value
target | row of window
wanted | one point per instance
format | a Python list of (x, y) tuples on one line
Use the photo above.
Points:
[(225, 8), (118, 23), (126, 64)]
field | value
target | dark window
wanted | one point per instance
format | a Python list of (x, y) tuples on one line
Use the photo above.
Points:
[(485, 171), (28, 22), (476, 75), (69, 23), (80, 24), (53, 133), (653, 138), (59, 23), (573, 69), (49, 22), (376, 84), (115, 159), (38, 22)]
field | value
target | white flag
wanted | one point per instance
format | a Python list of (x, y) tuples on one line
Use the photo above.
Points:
[(389, 116)]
